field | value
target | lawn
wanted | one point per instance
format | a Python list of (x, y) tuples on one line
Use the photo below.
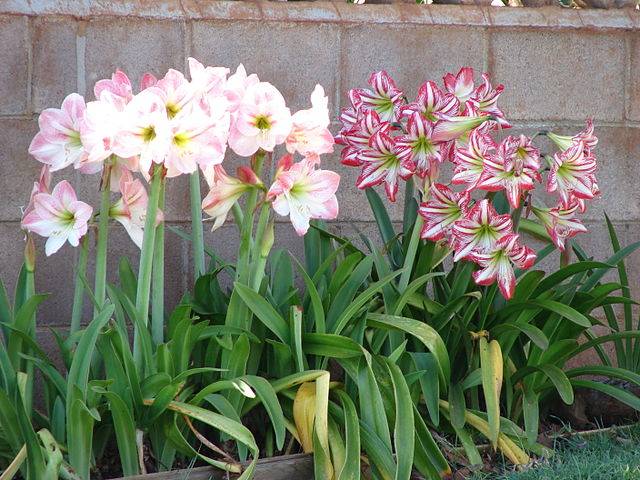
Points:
[(610, 455)]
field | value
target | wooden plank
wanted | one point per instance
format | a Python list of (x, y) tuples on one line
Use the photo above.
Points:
[(286, 467)]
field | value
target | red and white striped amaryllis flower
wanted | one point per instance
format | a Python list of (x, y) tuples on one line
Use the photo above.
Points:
[(572, 173), (441, 211), (479, 230), (432, 103), (510, 169), (470, 159), (59, 216), (304, 192), (484, 101), (225, 190), (561, 222), (459, 123), (586, 135), (497, 264), (461, 85), (383, 97), (417, 145), (383, 162)]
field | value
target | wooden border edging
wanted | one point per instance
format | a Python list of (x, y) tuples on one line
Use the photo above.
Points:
[(286, 467)]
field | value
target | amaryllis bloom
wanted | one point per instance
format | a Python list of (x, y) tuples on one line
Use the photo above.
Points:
[(59, 216), (148, 80), (589, 140), (198, 138), (237, 85), (443, 208), (359, 135), (178, 92), (460, 85), (382, 162), (498, 263), (119, 86), (310, 134), (510, 170), (561, 222), (145, 131), (470, 159), (207, 80), (131, 209), (572, 173), (303, 192), (479, 230), (102, 124), (225, 190), (41, 186), (484, 101), (433, 104), (58, 143), (452, 128), (262, 121), (383, 97), (417, 145)]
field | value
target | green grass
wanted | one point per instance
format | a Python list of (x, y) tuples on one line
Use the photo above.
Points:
[(612, 455)]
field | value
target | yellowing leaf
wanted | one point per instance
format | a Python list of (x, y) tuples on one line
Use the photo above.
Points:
[(492, 370)]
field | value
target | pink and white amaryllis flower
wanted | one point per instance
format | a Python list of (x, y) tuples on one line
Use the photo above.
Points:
[(58, 143), (572, 173), (303, 192), (470, 159), (510, 170), (178, 92), (59, 216), (384, 97), (131, 209), (102, 124), (41, 186), (262, 121), (382, 162), (586, 136), (310, 135), (417, 145), (461, 85), (442, 210), (225, 190), (145, 131), (198, 138), (497, 264), (237, 85), (119, 86), (561, 222), (433, 104), (207, 80)]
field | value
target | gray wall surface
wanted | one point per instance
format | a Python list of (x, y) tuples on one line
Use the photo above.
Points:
[(558, 66)]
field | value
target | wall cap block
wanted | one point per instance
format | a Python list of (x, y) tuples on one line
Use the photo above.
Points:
[(337, 11)]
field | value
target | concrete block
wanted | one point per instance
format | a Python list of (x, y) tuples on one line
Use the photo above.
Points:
[(559, 76), (14, 68), (54, 61)]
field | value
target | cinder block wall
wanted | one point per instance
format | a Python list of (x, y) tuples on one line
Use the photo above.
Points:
[(559, 66)]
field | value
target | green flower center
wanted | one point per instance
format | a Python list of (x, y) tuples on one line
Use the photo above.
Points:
[(262, 122), (172, 110), (149, 133), (180, 140)]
